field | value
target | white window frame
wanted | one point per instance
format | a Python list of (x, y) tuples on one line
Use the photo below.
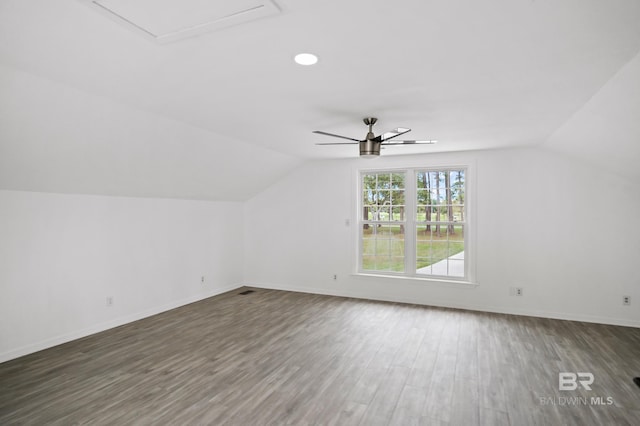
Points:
[(411, 224), (361, 222)]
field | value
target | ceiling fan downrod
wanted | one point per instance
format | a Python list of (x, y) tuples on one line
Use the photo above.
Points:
[(370, 147)]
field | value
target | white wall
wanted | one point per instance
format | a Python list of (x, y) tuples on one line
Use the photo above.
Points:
[(61, 256), (560, 229)]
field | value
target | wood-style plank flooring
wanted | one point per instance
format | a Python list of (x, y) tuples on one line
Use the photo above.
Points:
[(275, 357)]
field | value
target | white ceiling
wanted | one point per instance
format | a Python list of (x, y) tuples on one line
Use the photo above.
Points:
[(471, 74), (165, 21)]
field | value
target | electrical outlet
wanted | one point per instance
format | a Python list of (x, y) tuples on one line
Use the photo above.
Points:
[(518, 291), (202, 279), (110, 301), (626, 300), (335, 277), (515, 291)]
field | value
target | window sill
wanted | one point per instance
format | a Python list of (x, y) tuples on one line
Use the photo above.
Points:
[(421, 280)]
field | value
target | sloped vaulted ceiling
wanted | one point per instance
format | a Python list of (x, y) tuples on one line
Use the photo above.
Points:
[(89, 106), (58, 139), (606, 130)]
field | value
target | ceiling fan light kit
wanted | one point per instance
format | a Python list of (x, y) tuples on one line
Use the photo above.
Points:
[(370, 146)]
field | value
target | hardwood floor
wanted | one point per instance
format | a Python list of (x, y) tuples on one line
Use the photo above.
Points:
[(275, 357)]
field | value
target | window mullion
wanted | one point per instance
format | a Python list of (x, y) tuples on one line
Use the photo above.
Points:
[(410, 223)]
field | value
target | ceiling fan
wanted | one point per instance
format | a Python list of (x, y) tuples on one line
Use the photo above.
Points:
[(371, 145)]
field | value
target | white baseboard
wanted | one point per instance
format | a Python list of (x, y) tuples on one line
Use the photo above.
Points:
[(448, 304), (58, 340), (117, 322)]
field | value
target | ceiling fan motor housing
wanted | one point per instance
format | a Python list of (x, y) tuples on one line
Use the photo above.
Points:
[(370, 148)]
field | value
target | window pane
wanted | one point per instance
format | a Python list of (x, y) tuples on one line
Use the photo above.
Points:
[(423, 249), (370, 211), (398, 213), (383, 247), (368, 248), (440, 250), (436, 196), (444, 213), (434, 179), (384, 181), (456, 233), (383, 197), (367, 213), (429, 212), (458, 213), (423, 233), (368, 197), (454, 248), (457, 178), (369, 181), (385, 213), (397, 181), (423, 196), (397, 197)]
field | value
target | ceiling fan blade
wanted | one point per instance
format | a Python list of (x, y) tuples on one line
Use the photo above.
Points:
[(393, 133), (416, 142), (335, 136), (338, 143)]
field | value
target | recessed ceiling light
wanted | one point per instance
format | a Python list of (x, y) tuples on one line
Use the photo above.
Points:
[(306, 58)]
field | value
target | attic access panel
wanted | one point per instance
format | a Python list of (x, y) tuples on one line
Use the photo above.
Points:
[(165, 21)]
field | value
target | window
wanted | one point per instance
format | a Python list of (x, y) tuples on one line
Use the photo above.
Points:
[(440, 225), (414, 223), (383, 221)]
